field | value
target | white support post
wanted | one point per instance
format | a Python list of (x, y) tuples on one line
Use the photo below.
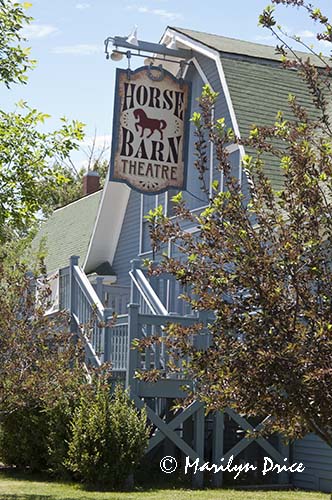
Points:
[(72, 292), (133, 355), (217, 446), (199, 438), (105, 339), (135, 264), (99, 288)]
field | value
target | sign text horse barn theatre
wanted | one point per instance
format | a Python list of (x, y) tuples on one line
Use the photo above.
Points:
[(150, 129)]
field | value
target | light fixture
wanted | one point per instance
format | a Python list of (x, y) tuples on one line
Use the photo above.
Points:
[(132, 38), (130, 46), (116, 56), (142, 48), (148, 61)]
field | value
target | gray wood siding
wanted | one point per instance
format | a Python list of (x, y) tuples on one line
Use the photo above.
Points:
[(128, 244), (234, 160), (195, 197), (210, 70), (149, 202), (316, 456)]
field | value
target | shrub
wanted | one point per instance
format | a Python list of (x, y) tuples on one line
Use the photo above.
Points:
[(58, 436), (108, 437), (37, 437), (23, 439)]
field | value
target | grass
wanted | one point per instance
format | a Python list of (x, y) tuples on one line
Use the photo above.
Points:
[(18, 487)]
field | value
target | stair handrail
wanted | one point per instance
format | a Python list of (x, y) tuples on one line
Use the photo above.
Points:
[(78, 277), (89, 292), (145, 289), (82, 294)]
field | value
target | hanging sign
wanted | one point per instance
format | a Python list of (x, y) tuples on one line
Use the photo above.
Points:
[(150, 130)]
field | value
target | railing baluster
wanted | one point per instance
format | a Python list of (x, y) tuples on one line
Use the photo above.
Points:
[(72, 296)]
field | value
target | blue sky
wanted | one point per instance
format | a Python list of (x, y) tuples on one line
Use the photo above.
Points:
[(73, 77)]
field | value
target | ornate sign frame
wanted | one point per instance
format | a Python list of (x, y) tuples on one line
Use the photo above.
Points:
[(151, 124)]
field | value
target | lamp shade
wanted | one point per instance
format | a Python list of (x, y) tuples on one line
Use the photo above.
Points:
[(116, 56)]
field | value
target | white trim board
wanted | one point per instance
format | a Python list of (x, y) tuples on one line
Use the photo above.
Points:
[(214, 55), (108, 225), (199, 70)]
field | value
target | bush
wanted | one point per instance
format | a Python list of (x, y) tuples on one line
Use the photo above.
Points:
[(37, 438), (58, 436), (109, 437), (23, 439)]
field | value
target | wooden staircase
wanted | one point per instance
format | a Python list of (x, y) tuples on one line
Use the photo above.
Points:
[(151, 304)]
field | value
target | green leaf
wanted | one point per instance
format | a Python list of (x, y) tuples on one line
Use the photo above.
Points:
[(196, 119), (177, 198)]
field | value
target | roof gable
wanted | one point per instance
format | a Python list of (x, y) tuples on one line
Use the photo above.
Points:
[(68, 231), (258, 86)]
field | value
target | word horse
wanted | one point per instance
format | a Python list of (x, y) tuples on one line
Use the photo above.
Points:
[(148, 123)]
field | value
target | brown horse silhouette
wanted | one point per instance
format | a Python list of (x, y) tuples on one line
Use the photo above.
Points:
[(148, 123)]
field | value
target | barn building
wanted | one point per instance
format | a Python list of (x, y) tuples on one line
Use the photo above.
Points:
[(107, 230)]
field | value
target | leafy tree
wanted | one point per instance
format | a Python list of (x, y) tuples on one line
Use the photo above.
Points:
[(39, 362), (14, 60), (42, 371), (262, 265), (41, 368), (36, 435), (27, 177)]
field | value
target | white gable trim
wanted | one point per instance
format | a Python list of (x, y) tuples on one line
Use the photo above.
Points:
[(108, 225), (212, 54), (199, 70)]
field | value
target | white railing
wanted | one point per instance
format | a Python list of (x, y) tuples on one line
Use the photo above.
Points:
[(104, 338), (170, 292), (143, 294), (117, 344), (115, 297), (160, 295), (64, 289), (158, 303)]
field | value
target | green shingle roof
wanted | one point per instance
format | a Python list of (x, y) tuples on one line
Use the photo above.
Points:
[(259, 86), (234, 46), (258, 92), (68, 231)]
